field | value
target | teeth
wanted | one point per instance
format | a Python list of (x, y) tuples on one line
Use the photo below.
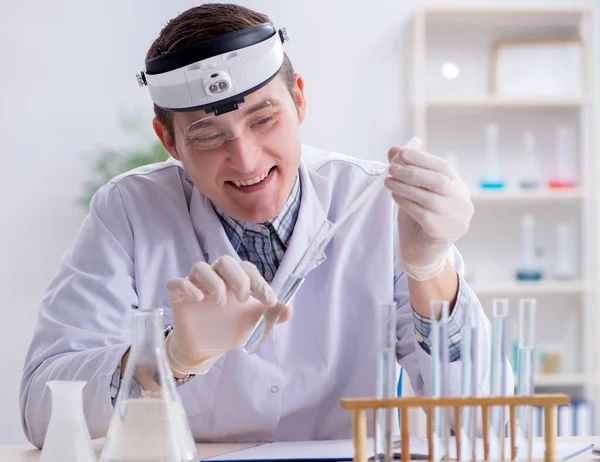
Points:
[(252, 181)]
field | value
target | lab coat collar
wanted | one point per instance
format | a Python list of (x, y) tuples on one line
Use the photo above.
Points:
[(215, 243), (310, 218), (209, 230)]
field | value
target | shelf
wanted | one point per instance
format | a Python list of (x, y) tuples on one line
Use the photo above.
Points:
[(496, 102), (560, 380), (524, 195), (529, 12), (548, 286)]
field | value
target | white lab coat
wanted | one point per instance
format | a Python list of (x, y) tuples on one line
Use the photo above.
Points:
[(151, 224)]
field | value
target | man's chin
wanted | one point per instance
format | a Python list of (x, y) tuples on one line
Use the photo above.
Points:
[(261, 216)]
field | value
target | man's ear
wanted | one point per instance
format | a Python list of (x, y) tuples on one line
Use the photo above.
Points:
[(298, 95), (165, 138)]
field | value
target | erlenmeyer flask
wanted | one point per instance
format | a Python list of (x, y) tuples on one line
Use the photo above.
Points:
[(148, 423), (67, 438)]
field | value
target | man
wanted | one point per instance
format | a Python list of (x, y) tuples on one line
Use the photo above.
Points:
[(211, 235)]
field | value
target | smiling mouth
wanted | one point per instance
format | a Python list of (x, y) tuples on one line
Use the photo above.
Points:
[(253, 181)]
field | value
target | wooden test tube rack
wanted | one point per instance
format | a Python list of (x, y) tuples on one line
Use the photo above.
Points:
[(360, 406)]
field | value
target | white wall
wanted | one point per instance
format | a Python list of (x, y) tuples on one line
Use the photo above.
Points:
[(68, 75)]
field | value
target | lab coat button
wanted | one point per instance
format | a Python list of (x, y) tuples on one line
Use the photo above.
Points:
[(274, 389)]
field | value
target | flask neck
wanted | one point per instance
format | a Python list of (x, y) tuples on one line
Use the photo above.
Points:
[(147, 365), (148, 339), (67, 398)]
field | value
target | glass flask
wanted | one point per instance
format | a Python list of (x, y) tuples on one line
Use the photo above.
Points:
[(149, 423), (67, 438)]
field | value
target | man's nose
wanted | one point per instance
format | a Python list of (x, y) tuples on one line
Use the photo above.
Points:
[(245, 154)]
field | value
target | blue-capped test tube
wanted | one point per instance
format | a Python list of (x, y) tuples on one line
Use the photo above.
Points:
[(498, 377), (525, 372), (440, 356), (386, 377), (468, 356)]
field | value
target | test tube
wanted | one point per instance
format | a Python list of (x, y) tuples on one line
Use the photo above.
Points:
[(491, 178), (498, 379), (308, 261), (526, 358), (440, 356), (468, 356), (386, 376)]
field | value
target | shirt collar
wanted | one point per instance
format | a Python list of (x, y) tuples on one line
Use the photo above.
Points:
[(283, 224)]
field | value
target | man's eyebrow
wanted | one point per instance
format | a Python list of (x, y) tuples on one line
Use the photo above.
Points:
[(202, 123), (209, 121), (257, 107)]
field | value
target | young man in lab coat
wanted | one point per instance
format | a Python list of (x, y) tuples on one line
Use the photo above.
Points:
[(211, 235)]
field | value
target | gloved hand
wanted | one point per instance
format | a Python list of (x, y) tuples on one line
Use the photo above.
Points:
[(213, 312), (435, 210)]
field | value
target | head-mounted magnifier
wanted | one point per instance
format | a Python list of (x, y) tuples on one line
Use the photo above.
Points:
[(216, 74)]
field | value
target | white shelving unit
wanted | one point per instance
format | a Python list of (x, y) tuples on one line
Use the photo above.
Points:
[(528, 288), (451, 119), (494, 102), (510, 197), (561, 380)]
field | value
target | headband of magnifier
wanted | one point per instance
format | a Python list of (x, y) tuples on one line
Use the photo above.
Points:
[(216, 74)]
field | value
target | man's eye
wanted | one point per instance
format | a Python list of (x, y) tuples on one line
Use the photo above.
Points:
[(265, 120), (209, 141), (211, 137), (206, 139)]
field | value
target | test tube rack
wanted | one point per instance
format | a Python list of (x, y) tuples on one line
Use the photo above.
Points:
[(361, 406)]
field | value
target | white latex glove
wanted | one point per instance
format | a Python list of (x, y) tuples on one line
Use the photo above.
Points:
[(435, 210), (213, 312)]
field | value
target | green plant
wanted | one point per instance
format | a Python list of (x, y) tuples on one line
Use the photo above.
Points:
[(110, 162)]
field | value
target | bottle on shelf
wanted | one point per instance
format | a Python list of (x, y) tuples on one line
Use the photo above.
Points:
[(565, 268), (491, 178), (563, 175), (530, 179), (529, 270)]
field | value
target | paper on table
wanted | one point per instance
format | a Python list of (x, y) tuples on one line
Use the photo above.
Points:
[(563, 449), (342, 450), (338, 450)]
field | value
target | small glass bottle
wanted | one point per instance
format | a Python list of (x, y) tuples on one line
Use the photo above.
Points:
[(149, 422), (492, 178), (565, 251), (529, 270), (530, 178), (563, 174)]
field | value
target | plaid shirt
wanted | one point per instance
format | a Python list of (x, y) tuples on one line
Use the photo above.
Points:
[(455, 323), (264, 244)]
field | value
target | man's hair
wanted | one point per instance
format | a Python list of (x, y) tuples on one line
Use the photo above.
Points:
[(202, 23)]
